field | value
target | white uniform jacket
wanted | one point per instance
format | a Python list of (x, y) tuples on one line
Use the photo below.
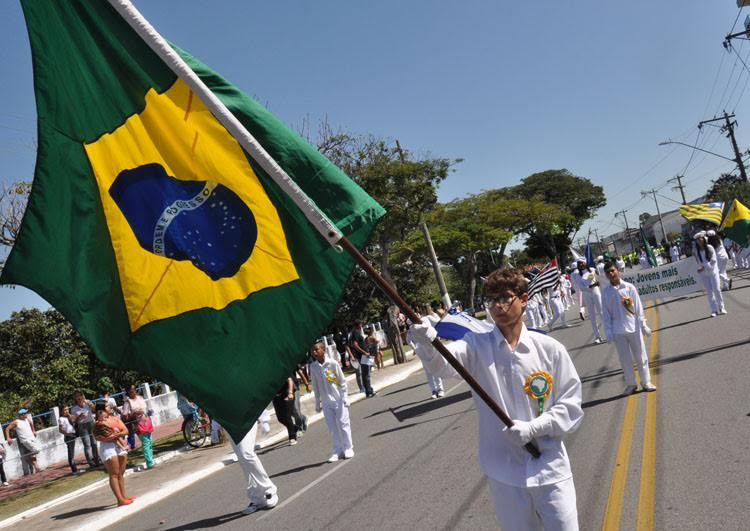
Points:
[(329, 383), (581, 282), (502, 372), (617, 319)]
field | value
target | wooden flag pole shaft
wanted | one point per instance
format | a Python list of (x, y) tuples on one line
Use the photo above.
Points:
[(408, 312)]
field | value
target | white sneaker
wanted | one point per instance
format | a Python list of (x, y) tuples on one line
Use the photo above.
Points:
[(629, 390), (723, 312), (440, 394), (648, 387), (713, 314), (271, 501), (597, 341), (334, 458), (348, 454), (292, 442)]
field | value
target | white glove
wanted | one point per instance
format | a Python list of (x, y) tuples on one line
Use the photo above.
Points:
[(520, 432), (646, 330), (423, 334)]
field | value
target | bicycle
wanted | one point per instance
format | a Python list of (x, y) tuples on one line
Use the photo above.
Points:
[(196, 429)]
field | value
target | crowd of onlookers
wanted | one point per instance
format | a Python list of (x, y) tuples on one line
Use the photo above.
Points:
[(100, 421)]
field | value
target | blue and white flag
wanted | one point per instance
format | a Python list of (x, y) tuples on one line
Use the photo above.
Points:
[(455, 326)]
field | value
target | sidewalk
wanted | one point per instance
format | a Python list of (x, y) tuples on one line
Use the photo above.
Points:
[(97, 509), (61, 469)]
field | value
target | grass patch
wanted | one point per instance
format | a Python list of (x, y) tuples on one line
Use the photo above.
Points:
[(55, 488)]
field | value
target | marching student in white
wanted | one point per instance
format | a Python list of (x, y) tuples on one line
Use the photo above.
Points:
[(260, 489), (329, 386), (674, 252), (532, 377), (625, 324), (532, 317), (558, 310), (585, 281), (600, 266), (620, 263), (708, 268), (435, 383), (722, 258), (565, 286)]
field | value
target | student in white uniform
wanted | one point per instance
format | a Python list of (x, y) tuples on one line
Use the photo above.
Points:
[(722, 259), (600, 266), (674, 252), (260, 489), (625, 324), (532, 314), (566, 286), (586, 282), (558, 310), (643, 261), (709, 273), (329, 386), (435, 383), (620, 263), (533, 379)]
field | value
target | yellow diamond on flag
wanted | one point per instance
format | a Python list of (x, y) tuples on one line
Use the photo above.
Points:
[(191, 224)]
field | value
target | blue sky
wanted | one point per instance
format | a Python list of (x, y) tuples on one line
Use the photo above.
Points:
[(511, 87)]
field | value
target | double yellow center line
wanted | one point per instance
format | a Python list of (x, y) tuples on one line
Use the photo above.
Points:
[(613, 511)]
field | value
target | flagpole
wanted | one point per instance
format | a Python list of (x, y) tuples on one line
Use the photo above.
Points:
[(314, 215), (177, 64), (409, 313)]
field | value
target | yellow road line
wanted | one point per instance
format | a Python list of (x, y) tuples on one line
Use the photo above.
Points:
[(646, 496)]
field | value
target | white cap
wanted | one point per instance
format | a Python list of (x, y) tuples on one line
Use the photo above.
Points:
[(699, 234), (710, 233), (580, 259)]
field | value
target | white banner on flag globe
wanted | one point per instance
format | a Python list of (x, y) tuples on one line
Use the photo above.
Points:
[(455, 326), (671, 280)]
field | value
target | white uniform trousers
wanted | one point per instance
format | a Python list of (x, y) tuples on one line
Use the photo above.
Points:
[(713, 291), (593, 305), (558, 311), (721, 262), (549, 507), (258, 482), (567, 298), (435, 383), (542, 314), (631, 349), (531, 317), (337, 420)]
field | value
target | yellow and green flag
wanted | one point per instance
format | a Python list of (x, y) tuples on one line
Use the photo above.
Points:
[(162, 241), (736, 224), (710, 212)]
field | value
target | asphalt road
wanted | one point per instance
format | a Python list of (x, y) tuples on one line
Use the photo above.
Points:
[(673, 459)]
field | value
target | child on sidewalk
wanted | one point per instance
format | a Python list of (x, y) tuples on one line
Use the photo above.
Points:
[(329, 386)]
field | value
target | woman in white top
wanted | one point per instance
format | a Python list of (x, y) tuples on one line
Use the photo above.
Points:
[(68, 431), (135, 410), (705, 254), (28, 444)]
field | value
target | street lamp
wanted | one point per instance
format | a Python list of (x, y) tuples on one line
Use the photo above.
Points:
[(667, 142)]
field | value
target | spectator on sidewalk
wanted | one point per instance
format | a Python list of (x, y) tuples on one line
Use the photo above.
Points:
[(28, 445), (355, 355), (373, 348), (300, 374), (3, 479), (359, 349), (82, 414), (65, 427), (329, 386), (135, 410), (111, 402), (111, 433), (283, 404)]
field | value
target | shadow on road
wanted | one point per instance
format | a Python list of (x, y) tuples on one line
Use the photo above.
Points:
[(682, 324), (404, 389), (208, 523), (426, 407), (298, 469), (599, 401), (697, 353), (81, 512)]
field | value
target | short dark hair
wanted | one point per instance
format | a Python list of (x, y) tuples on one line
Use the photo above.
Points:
[(506, 279), (608, 266)]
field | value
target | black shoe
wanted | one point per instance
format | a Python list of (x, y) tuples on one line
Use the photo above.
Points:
[(304, 423), (730, 283)]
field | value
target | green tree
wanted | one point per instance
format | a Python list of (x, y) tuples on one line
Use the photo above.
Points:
[(560, 191), (43, 360), (727, 188)]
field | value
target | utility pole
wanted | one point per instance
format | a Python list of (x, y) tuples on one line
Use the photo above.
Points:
[(728, 127), (627, 228), (679, 186), (598, 240), (435, 265), (663, 232)]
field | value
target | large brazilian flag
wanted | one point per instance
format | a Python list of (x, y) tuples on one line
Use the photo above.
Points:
[(167, 247), (736, 224)]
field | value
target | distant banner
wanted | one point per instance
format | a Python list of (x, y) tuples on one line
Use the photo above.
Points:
[(671, 280)]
